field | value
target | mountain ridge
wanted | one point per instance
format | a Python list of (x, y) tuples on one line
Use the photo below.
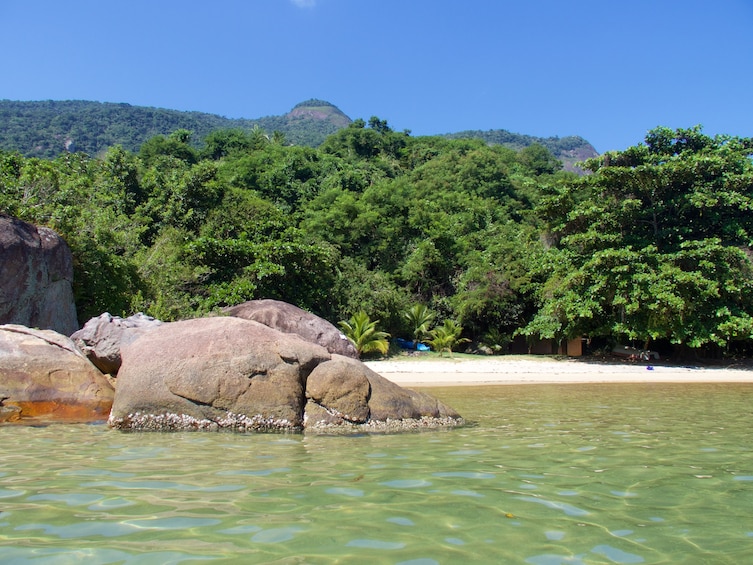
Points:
[(48, 128)]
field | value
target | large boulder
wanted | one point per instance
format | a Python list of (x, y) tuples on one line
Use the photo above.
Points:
[(36, 276), (227, 372), (214, 372), (102, 337), (291, 319), (43, 375)]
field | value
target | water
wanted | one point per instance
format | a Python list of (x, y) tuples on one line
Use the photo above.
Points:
[(547, 475)]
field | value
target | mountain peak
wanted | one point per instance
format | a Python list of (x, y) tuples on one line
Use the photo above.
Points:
[(319, 110)]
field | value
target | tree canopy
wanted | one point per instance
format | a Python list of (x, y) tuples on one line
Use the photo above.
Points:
[(653, 244)]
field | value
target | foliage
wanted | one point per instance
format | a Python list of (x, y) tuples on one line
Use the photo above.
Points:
[(357, 287), (446, 337), (568, 150), (654, 245), (495, 340), (419, 319), (364, 335), (48, 128)]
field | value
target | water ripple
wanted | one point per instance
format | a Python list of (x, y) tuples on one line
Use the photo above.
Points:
[(276, 535), (162, 485), (553, 559), (82, 530), (71, 499), (568, 509), (617, 555), (375, 544), (93, 556), (465, 475), (407, 483), (81, 494), (344, 491), (173, 523)]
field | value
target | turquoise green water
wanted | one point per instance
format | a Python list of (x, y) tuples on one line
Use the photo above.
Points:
[(546, 475)]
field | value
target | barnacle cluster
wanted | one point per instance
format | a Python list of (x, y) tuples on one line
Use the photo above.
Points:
[(388, 425), (184, 422)]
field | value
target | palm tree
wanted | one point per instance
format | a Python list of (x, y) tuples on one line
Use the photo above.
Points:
[(420, 318), (445, 337), (364, 334)]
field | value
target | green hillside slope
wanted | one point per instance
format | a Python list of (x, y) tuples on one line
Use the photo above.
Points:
[(569, 150), (48, 128)]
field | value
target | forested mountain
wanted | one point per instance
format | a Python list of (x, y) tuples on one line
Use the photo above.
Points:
[(47, 129), (570, 150), (653, 247)]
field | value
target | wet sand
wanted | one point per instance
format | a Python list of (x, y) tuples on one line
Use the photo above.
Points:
[(418, 371)]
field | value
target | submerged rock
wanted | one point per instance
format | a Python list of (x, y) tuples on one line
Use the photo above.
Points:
[(44, 376)]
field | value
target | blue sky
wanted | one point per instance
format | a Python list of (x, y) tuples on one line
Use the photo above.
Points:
[(605, 70)]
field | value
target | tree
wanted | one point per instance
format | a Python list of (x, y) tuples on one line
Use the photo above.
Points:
[(446, 337), (360, 142), (538, 160), (654, 244), (222, 143), (119, 178), (358, 288), (175, 145), (364, 335), (419, 319)]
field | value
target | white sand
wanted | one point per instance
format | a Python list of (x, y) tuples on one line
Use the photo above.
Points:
[(530, 370)]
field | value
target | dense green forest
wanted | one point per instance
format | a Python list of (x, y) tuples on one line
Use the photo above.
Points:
[(570, 150), (48, 128), (652, 247)]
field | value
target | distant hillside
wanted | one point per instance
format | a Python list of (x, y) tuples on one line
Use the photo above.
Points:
[(48, 128), (569, 150)]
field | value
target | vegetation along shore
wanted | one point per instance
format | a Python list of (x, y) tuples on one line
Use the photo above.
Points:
[(501, 247)]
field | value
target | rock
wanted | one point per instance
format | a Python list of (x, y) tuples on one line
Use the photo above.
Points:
[(335, 397), (227, 372), (45, 376), (102, 337), (36, 277), (337, 392), (208, 373), (291, 319)]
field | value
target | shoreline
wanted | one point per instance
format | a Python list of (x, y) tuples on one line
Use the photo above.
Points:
[(517, 370)]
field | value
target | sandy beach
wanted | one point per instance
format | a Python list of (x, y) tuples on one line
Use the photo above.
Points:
[(411, 371)]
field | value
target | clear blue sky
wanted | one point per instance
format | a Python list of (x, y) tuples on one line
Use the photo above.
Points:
[(605, 70)]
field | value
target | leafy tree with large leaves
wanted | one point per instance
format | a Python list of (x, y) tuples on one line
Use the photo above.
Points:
[(655, 244)]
